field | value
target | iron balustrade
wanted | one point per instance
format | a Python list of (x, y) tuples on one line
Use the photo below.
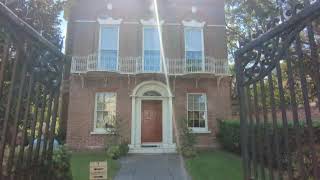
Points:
[(136, 65)]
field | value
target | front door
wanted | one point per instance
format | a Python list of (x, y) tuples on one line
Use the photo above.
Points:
[(151, 121)]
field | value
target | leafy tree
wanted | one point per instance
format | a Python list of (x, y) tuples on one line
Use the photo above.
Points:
[(245, 18), (43, 16)]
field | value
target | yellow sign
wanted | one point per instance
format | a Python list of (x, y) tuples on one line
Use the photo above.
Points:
[(98, 170)]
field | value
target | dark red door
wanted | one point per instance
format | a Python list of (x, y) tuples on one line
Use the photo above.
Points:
[(151, 122)]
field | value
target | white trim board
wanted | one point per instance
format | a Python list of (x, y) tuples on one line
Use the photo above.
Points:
[(131, 22), (216, 25), (137, 22), (109, 21), (193, 23), (84, 21), (151, 22)]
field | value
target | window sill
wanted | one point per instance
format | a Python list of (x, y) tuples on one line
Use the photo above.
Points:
[(200, 131), (101, 133)]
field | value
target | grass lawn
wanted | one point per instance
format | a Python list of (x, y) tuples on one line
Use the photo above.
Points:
[(215, 165), (80, 164)]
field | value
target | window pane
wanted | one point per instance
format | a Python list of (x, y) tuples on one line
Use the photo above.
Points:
[(108, 60), (194, 49), (110, 120), (196, 123), (193, 39), (151, 61), (100, 102), (197, 114), (196, 103), (106, 110), (202, 116), (151, 39), (151, 93), (109, 38), (190, 102), (202, 101), (151, 43), (194, 57), (110, 102), (194, 61), (202, 124), (100, 123)]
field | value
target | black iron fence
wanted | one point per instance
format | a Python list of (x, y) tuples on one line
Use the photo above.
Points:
[(279, 70), (31, 72)]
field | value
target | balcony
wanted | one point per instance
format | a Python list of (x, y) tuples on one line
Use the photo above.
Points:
[(136, 65)]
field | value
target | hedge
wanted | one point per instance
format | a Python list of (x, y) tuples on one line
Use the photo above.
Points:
[(229, 138)]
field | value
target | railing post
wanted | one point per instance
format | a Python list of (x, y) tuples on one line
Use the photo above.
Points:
[(243, 118)]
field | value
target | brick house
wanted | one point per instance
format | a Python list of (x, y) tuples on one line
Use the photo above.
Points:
[(149, 65)]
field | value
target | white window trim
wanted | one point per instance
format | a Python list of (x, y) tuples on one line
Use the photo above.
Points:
[(109, 22), (193, 23), (151, 22), (144, 27), (202, 40), (97, 131), (198, 129)]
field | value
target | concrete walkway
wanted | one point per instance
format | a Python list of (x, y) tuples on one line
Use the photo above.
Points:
[(152, 167)]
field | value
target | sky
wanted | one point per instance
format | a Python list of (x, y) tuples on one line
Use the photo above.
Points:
[(63, 27)]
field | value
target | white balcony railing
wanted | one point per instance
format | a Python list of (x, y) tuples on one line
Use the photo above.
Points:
[(134, 65)]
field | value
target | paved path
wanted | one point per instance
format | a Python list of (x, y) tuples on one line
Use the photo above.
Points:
[(152, 167)]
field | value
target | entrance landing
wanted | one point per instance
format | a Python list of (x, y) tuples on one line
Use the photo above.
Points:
[(152, 167)]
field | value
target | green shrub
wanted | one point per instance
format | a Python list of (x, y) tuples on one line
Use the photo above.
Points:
[(188, 140), (124, 149), (116, 143), (114, 151), (61, 168), (188, 152), (229, 135), (229, 138), (307, 162)]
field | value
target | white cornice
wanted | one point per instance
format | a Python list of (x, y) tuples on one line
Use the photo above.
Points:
[(193, 23), (109, 21), (151, 22), (84, 21), (217, 25)]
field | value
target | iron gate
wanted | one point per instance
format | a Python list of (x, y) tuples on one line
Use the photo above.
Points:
[(31, 71), (278, 81)]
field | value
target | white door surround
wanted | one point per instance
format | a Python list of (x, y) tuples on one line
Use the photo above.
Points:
[(138, 95)]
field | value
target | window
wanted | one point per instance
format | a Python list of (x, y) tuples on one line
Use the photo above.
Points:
[(109, 44), (197, 111), (151, 49), (194, 49), (105, 114), (151, 93)]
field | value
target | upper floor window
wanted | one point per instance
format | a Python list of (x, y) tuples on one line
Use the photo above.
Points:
[(151, 49), (109, 47), (194, 50)]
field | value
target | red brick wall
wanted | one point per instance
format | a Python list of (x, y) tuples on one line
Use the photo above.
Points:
[(82, 97)]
